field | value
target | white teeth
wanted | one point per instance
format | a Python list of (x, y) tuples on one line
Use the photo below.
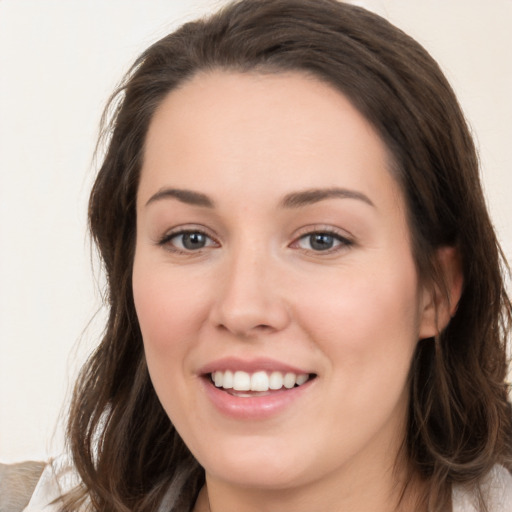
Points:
[(301, 379), (227, 383), (289, 380), (276, 380), (258, 381), (241, 381)]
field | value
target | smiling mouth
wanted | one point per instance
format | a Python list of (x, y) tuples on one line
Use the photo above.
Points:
[(261, 383)]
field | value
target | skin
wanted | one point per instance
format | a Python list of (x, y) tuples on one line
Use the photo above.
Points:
[(352, 315)]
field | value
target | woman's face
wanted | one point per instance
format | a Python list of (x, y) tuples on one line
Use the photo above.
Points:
[(273, 252)]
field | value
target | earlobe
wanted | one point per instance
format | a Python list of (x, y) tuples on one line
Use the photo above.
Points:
[(440, 299)]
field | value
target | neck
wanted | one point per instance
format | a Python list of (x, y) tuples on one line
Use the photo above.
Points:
[(391, 491), (377, 477)]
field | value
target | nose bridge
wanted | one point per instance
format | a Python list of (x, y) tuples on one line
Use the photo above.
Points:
[(249, 297)]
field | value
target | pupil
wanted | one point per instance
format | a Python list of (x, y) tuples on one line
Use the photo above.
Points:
[(194, 241), (321, 242)]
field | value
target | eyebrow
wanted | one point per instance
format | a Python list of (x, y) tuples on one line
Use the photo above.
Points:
[(292, 200), (315, 195), (183, 195)]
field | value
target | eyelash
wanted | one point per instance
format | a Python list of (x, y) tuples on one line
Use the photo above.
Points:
[(166, 241), (343, 241)]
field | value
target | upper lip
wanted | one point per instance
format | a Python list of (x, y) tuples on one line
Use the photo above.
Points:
[(250, 366)]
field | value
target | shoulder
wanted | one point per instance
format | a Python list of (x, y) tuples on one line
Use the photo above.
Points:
[(34, 486), (17, 483), (495, 490)]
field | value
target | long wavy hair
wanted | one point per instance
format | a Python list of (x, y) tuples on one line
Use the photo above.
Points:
[(127, 452)]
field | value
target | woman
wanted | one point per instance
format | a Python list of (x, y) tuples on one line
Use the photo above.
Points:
[(307, 310)]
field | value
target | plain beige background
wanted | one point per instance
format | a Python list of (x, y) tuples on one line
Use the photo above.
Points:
[(59, 60)]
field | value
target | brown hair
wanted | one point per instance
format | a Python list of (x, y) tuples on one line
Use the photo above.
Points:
[(124, 446)]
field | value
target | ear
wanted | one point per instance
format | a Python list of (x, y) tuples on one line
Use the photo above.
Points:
[(439, 303)]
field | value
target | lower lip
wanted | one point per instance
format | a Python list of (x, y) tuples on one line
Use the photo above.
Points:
[(254, 407)]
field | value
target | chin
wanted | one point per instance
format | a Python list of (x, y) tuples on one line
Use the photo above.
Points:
[(258, 464), (259, 475)]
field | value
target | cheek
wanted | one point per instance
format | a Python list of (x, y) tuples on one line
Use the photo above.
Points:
[(170, 310), (367, 326), (169, 306), (366, 321)]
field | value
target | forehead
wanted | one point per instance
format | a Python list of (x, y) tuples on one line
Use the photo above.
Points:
[(269, 132)]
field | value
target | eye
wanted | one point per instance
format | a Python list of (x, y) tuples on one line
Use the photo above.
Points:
[(322, 241), (188, 241)]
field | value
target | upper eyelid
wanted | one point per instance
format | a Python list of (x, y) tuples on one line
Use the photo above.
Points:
[(165, 242), (181, 230), (345, 239), (322, 228), (300, 233), (188, 228)]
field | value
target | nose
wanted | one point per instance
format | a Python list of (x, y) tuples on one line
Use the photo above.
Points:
[(250, 299)]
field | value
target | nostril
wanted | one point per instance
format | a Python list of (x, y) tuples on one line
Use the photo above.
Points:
[(246, 310), (243, 332), (263, 327)]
